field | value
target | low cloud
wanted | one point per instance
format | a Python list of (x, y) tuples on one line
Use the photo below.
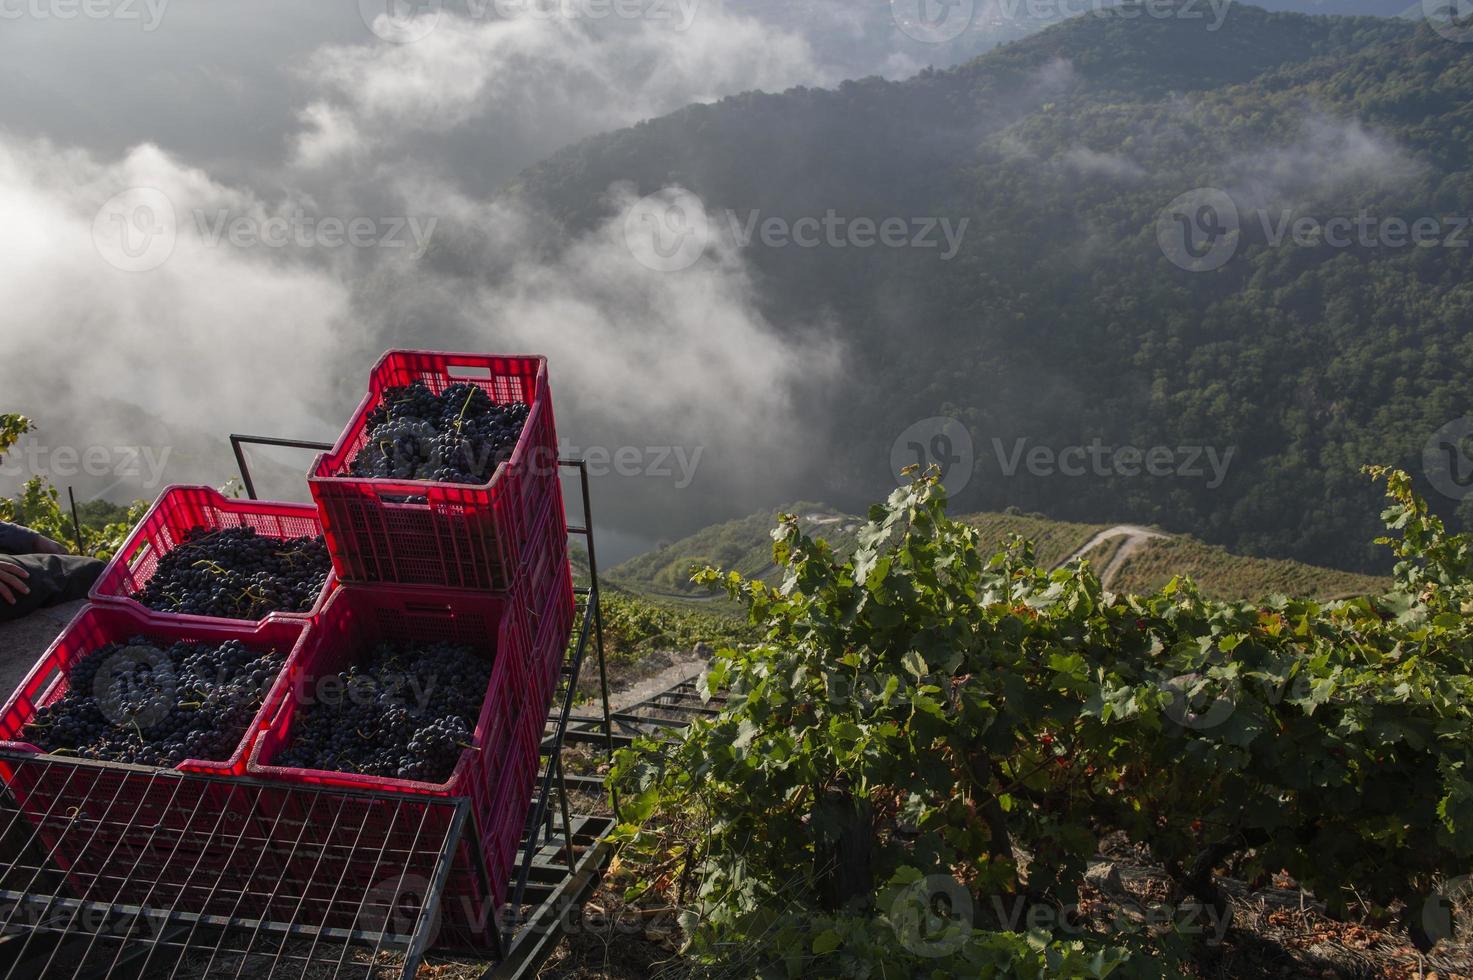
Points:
[(1092, 163), (219, 338), (1329, 157), (212, 340), (534, 82)]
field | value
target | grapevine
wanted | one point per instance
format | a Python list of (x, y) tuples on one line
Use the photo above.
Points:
[(923, 712)]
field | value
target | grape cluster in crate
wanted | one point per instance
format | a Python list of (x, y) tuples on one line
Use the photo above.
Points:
[(404, 712), (403, 633), (457, 436), (235, 573), (157, 704)]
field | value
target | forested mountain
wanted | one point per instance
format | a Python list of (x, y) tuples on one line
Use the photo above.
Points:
[(860, 37), (1069, 315)]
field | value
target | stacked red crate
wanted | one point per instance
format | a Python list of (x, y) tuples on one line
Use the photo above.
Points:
[(460, 544), (104, 823), (482, 567), (180, 510), (358, 619), (445, 535), (98, 626)]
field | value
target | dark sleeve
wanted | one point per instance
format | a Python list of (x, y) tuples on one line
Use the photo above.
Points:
[(16, 540), (52, 579)]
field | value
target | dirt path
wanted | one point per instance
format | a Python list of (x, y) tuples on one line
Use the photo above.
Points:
[(683, 667), (1137, 537), (23, 642)]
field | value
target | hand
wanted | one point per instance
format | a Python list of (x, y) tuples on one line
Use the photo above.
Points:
[(12, 582), (45, 546)]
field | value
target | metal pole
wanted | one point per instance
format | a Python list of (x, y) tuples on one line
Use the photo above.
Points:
[(76, 522), (245, 471), (598, 619), (237, 442), (562, 789)]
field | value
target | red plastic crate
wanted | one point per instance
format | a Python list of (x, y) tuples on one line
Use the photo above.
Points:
[(504, 825), (358, 618), (348, 856), (554, 630), (178, 511), (544, 565), (104, 823), (461, 537), (96, 626)]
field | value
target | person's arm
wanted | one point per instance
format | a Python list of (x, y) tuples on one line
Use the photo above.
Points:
[(13, 582), (17, 540)]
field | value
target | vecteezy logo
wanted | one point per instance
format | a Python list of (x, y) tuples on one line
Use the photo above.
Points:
[(1450, 18), (933, 917), (667, 231), (1438, 912), (135, 687), (933, 21), (393, 910), (1198, 231), (942, 442), (136, 231), (1447, 459), (400, 21)]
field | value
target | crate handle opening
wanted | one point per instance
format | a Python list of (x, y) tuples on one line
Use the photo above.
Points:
[(428, 608), (469, 372), (402, 499), (139, 553)]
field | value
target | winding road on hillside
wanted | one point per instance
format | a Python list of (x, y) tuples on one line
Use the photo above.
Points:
[(1137, 537)]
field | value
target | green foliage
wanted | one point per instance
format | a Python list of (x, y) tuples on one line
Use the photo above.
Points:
[(105, 526), (745, 546), (1429, 560), (741, 545), (12, 427), (920, 712), (634, 626)]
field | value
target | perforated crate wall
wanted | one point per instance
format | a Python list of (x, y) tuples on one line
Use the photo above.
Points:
[(178, 511), (443, 535)]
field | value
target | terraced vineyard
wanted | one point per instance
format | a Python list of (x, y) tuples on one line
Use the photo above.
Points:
[(745, 546)]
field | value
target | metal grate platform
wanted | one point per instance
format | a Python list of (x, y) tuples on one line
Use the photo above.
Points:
[(118, 871)]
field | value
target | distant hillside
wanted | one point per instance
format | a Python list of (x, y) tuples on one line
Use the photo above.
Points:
[(859, 37), (1068, 315), (745, 546)]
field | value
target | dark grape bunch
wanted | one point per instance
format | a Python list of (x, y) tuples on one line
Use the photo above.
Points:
[(459, 436), (404, 713), (151, 704), (235, 573)]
